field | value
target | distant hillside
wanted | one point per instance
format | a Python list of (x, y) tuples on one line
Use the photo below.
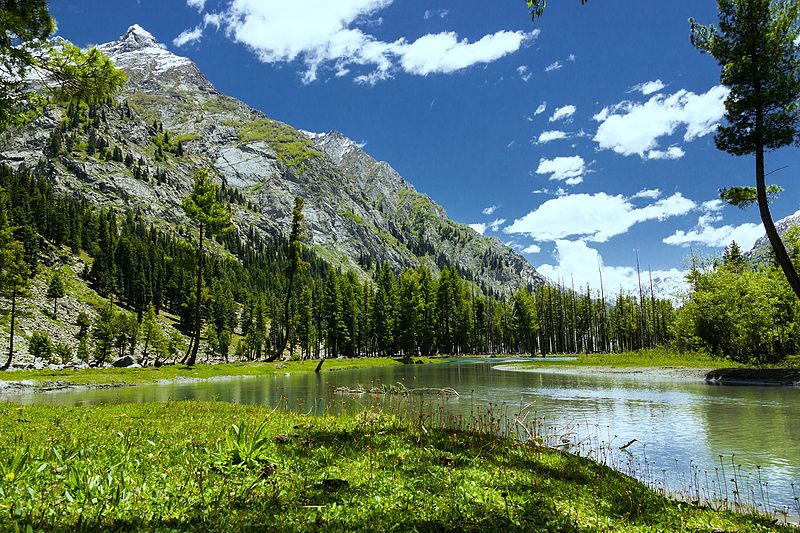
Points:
[(171, 121)]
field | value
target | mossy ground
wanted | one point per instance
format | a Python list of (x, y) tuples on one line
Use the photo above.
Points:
[(181, 466)]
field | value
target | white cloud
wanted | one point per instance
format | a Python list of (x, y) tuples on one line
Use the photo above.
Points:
[(571, 57), (188, 36), (532, 249), (481, 227), (444, 53), (631, 128), (577, 263), (673, 152), (441, 13), (524, 73), (563, 113), (594, 217), (199, 5), (495, 224), (705, 234), (649, 87), (553, 66), (336, 35), (541, 109), (567, 169), (651, 194), (489, 210), (746, 235), (553, 135)]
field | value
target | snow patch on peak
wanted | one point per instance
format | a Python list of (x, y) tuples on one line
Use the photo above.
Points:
[(312, 135), (138, 50)]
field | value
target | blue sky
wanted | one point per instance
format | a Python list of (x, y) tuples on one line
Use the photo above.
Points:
[(584, 137)]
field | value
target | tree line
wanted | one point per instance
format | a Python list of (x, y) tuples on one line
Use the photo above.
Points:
[(262, 294)]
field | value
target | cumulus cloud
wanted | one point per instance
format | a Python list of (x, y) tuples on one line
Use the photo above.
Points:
[(706, 234), (717, 237), (336, 35), (541, 109), (524, 73), (577, 263), (649, 87), (489, 210), (188, 36), (444, 53), (563, 113), (630, 128), (553, 135), (567, 169), (673, 152), (594, 217)]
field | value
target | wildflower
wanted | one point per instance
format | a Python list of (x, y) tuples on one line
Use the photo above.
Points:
[(10, 477)]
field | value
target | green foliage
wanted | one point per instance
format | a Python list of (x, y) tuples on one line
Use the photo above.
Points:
[(750, 317), (63, 351), (68, 72), (248, 449), (743, 197), (755, 46), (155, 467), (39, 345), (291, 147), (55, 290)]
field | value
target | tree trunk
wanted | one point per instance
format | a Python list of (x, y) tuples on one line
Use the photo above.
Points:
[(781, 256), (287, 330), (198, 301), (11, 340)]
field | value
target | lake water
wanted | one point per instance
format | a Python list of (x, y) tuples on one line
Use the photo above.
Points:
[(697, 441)]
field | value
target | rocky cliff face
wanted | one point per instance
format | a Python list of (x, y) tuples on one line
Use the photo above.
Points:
[(359, 212), (761, 253)]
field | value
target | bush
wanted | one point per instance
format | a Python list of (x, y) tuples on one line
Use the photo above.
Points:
[(39, 345)]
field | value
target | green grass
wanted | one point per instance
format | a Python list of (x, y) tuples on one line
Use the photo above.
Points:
[(656, 357), (183, 466), (291, 148), (135, 376)]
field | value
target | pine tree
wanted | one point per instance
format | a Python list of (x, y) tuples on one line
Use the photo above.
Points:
[(757, 47), (14, 270), (55, 291), (212, 218), (296, 264)]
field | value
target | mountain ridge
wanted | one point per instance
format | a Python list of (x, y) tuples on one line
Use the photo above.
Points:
[(360, 212)]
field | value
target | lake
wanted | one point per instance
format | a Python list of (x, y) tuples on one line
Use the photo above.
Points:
[(693, 440)]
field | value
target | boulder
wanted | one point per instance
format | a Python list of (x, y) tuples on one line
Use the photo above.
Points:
[(123, 362)]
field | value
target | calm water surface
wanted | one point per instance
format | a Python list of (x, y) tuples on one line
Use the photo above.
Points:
[(740, 444)]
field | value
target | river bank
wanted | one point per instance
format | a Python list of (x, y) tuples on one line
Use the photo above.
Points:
[(664, 364), (49, 380), (217, 467)]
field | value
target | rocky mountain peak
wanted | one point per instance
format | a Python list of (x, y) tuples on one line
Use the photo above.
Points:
[(136, 38), (151, 66)]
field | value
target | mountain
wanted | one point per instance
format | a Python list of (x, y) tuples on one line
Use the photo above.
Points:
[(761, 252), (170, 121)]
